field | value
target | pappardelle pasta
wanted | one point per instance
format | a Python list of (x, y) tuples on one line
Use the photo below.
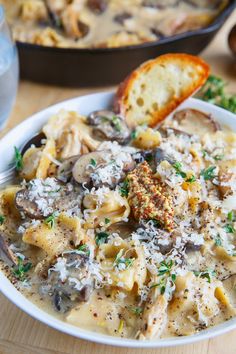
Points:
[(127, 233)]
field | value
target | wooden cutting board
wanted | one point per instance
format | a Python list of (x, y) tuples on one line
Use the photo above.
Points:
[(20, 334)]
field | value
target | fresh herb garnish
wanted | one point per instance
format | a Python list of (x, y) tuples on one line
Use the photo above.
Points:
[(214, 92), (122, 262), (2, 219), (21, 269), (107, 221), (191, 179), (208, 274), (204, 153), (124, 189), (165, 267), (163, 281), (18, 158), (136, 310), (134, 134), (156, 223), (101, 237), (208, 173), (149, 157), (229, 229), (218, 157), (178, 168), (230, 216), (218, 241), (93, 163), (116, 123), (84, 249), (50, 221)]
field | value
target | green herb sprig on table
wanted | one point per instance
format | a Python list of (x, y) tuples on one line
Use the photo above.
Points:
[(214, 92)]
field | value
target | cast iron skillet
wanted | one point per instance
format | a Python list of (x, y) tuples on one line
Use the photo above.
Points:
[(107, 66)]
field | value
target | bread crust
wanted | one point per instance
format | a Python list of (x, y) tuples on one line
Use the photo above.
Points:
[(122, 97)]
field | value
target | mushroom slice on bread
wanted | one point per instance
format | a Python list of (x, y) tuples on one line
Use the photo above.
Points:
[(157, 87)]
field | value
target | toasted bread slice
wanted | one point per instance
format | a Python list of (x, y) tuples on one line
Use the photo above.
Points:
[(158, 86)]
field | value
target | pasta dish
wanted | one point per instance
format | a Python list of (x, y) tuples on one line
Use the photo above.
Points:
[(128, 232), (106, 23)]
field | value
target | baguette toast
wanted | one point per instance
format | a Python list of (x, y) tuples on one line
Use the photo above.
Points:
[(152, 91)]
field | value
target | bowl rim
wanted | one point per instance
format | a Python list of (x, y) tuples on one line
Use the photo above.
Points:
[(214, 26), (17, 298)]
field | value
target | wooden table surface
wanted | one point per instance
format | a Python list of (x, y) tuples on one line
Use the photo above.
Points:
[(20, 334)]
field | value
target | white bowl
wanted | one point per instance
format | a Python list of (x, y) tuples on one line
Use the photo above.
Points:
[(25, 130)]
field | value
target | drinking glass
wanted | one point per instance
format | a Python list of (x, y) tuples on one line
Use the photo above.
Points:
[(9, 70)]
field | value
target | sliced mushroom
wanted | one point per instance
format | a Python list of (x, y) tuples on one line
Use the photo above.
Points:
[(97, 6), (193, 121), (66, 199), (154, 157), (64, 293), (160, 4), (109, 126), (81, 171), (225, 187), (191, 247), (6, 254), (124, 229), (204, 3), (120, 18), (64, 172), (73, 26), (27, 206)]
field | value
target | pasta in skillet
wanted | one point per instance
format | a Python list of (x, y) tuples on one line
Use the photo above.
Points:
[(129, 233)]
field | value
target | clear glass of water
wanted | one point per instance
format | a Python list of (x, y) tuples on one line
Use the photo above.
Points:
[(9, 70)]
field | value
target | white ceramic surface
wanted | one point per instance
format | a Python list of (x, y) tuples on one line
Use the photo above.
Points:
[(20, 134)]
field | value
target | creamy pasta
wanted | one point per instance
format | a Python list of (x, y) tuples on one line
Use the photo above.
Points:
[(127, 233), (106, 23)]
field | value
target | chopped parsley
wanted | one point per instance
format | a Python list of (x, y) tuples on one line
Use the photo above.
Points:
[(107, 221), (218, 241), (149, 157), (124, 189), (230, 216), (18, 159), (136, 310), (93, 163), (84, 249), (165, 267), (134, 134), (101, 237), (214, 92), (218, 157), (208, 274), (21, 269), (191, 179), (50, 221), (121, 262), (163, 281), (2, 219), (178, 168), (208, 173), (156, 223), (229, 229), (116, 123)]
